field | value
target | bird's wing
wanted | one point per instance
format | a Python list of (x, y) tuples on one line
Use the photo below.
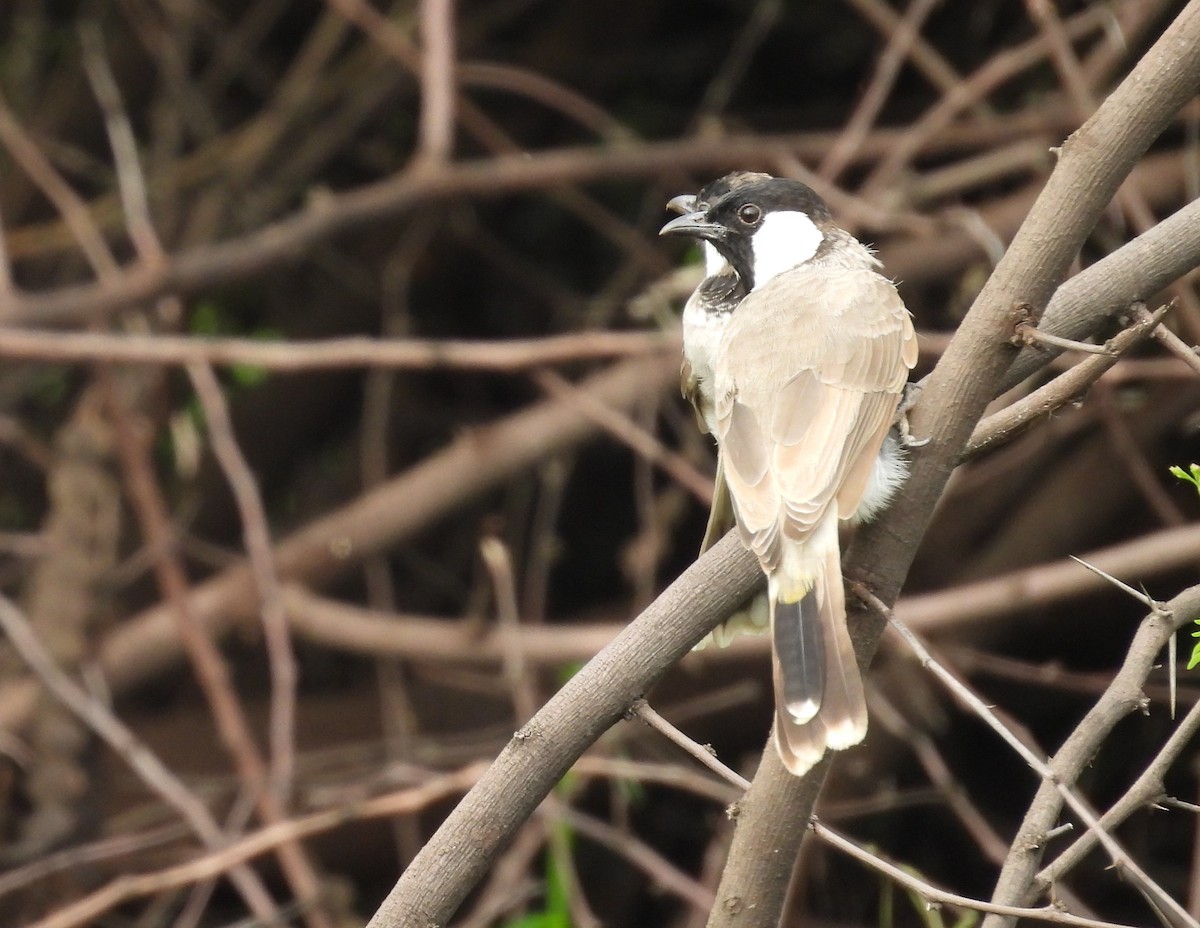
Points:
[(689, 386), (808, 378)]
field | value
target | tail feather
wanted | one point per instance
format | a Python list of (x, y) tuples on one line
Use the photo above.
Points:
[(819, 695), (844, 708), (800, 746), (799, 649)]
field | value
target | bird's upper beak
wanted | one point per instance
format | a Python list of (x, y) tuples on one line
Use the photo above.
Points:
[(684, 203), (694, 223)]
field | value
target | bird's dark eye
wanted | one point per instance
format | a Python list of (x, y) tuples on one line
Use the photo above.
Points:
[(749, 214)]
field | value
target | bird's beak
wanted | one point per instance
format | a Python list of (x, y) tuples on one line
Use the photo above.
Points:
[(696, 225), (684, 203)]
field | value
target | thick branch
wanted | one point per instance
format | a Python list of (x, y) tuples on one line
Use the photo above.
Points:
[(457, 856), (1132, 273)]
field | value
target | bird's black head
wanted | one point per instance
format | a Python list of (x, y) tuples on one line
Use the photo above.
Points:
[(713, 191), (761, 225)]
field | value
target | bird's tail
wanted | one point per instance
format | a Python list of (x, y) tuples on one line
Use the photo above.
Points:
[(819, 700)]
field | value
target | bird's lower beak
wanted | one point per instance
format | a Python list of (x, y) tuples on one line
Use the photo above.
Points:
[(684, 203), (696, 225)]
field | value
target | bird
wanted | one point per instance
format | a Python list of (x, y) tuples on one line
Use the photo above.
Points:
[(807, 376)]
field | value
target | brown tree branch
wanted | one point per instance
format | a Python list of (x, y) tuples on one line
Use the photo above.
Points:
[(152, 771), (257, 536), (334, 353), (935, 896), (480, 459), (1131, 274), (1067, 387), (124, 888), (1145, 791), (289, 238), (455, 859), (1061, 779), (1017, 881)]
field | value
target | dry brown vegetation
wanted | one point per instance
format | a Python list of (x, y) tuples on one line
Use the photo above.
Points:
[(339, 431)]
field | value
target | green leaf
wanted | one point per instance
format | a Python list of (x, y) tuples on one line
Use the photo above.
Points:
[(1191, 475), (249, 375), (207, 318), (1195, 658), (556, 910)]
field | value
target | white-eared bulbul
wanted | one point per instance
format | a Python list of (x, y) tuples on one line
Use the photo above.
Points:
[(806, 377)]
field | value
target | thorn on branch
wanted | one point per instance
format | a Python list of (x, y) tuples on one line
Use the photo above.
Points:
[(1053, 833), (1151, 604), (1172, 342)]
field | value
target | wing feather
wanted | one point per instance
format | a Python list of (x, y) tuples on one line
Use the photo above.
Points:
[(807, 380)]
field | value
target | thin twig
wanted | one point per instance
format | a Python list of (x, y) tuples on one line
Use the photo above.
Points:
[(619, 426), (131, 185), (1155, 893), (887, 69), (520, 685), (936, 896), (436, 129), (268, 785), (143, 761), (109, 849), (1031, 335), (1177, 346), (1145, 790), (1120, 585), (257, 537), (726, 77), (998, 69), (87, 910), (925, 57), (210, 668), (660, 870), (953, 794), (701, 752), (74, 211), (1066, 388), (8, 286)]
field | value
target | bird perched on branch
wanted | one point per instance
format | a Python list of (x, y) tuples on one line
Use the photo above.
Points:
[(800, 350)]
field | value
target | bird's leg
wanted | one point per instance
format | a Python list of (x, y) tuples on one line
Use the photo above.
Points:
[(907, 401)]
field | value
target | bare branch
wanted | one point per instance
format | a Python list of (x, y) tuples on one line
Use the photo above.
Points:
[(257, 536), (433, 886), (152, 771), (701, 752), (935, 896), (334, 353)]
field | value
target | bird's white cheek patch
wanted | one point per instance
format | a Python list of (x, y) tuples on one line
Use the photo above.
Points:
[(784, 239), (714, 261)]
